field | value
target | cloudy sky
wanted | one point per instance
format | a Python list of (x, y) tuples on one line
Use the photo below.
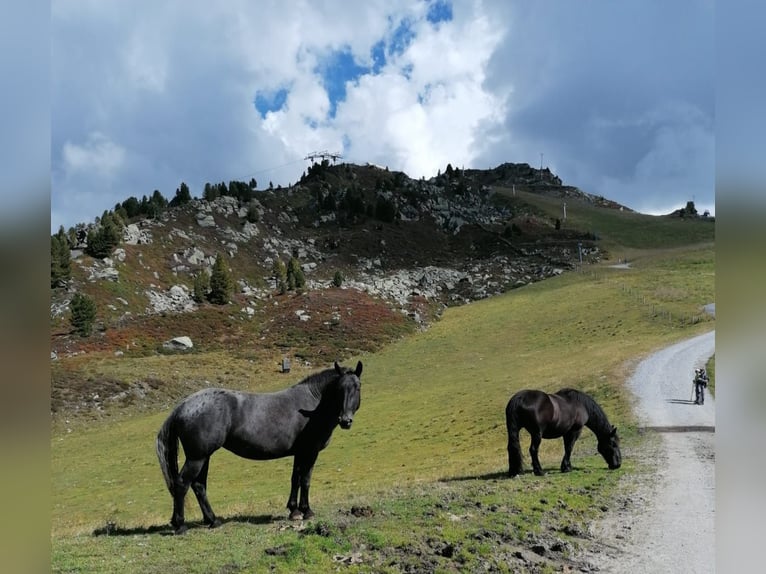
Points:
[(617, 98)]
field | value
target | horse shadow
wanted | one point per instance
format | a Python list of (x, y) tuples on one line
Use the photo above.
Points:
[(469, 477), (112, 529), (500, 475)]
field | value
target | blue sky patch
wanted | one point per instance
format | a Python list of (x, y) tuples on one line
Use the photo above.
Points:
[(378, 55), (401, 38), (270, 101), (336, 69), (439, 11)]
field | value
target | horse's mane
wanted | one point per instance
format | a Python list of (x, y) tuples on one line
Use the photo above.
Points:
[(597, 419), (318, 381)]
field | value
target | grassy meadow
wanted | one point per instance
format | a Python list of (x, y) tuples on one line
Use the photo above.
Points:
[(418, 482)]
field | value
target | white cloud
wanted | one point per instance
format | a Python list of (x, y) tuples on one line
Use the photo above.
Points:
[(422, 111), (96, 155), (149, 95)]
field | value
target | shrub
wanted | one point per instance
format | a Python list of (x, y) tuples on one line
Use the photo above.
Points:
[(337, 279), (385, 210), (253, 216)]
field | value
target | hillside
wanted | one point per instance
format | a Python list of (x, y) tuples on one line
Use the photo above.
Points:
[(405, 249)]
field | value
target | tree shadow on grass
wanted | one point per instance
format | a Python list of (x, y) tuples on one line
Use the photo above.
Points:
[(114, 529)]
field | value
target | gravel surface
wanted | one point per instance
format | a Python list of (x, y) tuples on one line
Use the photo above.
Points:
[(667, 523)]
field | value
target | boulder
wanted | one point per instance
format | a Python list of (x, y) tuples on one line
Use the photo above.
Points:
[(182, 343)]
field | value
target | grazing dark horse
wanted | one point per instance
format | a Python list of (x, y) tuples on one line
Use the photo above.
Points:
[(297, 422), (562, 414)]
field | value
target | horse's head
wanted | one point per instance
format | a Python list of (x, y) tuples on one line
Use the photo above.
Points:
[(609, 448), (350, 388)]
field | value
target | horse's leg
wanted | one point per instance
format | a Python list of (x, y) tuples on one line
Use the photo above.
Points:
[(295, 481), (199, 486), (569, 440), (188, 474), (537, 437), (307, 467), (514, 453)]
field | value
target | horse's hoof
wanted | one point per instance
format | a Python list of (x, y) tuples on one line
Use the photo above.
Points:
[(308, 515), (215, 524), (296, 515), (181, 530), (539, 473)]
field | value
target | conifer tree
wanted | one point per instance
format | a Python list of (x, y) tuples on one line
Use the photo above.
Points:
[(103, 239), (220, 283), (295, 277), (279, 272), (83, 314), (201, 286), (60, 258)]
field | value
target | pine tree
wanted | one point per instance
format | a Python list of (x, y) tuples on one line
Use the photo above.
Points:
[(60, 259), (83, 314), (295, 277), (279, 272), (220, 283), (103, 239), (201, 286), (183, 196)]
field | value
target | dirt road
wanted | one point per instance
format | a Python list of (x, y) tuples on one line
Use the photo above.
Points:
[(667, 525)]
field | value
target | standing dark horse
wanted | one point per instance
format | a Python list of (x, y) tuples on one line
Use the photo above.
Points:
[(297, 422), (562, 414)]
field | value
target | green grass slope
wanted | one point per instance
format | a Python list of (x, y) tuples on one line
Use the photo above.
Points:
[(620, 231), (426, 456)]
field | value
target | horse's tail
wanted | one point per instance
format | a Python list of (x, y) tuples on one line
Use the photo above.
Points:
[(167, 452), (515, 463)]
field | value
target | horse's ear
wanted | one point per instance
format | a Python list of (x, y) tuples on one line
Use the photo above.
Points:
[(614, 431), (338, 369), (358, 371)]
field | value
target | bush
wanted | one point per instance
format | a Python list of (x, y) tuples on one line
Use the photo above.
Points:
[(253, 216), (337, 279), (385, 210), (83, 314)]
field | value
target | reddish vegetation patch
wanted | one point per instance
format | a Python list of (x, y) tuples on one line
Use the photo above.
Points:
[(330, 324), (338, 324)]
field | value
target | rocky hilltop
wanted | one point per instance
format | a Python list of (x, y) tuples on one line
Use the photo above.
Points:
[(407, 246)]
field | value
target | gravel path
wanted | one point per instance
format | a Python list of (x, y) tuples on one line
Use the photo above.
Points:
[(667, 524)]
